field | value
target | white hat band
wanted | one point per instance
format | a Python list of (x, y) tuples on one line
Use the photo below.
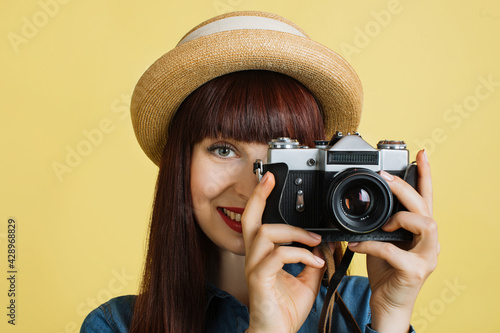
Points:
[(239, 23)]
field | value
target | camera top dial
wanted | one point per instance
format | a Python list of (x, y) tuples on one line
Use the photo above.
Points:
[(284, 143), (391, 144)]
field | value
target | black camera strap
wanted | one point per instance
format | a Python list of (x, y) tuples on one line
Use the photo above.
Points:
[(335, 277)]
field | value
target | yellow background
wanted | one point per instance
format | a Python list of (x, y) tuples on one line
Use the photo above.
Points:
[(68, 69)]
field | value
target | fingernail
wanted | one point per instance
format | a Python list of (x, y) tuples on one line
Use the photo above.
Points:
[(319, 260), (353, 244), (314, 235), (386, 176), (425, 156), (265, 178)]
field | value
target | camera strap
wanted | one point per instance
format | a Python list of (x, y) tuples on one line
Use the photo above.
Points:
[(335, 277)]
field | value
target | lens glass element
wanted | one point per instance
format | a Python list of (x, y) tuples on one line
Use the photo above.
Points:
[(356, 201)]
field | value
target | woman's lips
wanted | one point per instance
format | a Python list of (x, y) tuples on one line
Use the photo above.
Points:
[(234, 225), (237, 210)]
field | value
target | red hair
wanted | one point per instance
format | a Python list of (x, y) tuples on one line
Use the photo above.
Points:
[(248, 106)]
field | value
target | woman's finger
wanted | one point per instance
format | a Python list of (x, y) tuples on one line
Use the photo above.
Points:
[(413, 266), (311, 276), (273, 263), (424, 178), (251, 219), (407, 195), (424, 229), (396, 257), (269, 235)]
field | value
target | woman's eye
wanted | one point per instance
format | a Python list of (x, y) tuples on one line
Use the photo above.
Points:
[(222, 151)]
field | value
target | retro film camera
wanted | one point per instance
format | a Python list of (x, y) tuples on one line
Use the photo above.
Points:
[(334, 189)]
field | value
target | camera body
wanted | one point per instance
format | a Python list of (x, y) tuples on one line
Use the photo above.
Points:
[(334, 189)]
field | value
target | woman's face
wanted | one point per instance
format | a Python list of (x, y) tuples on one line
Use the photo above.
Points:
[(222, 181)]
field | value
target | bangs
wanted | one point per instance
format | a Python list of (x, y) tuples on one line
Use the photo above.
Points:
[(252, 106)]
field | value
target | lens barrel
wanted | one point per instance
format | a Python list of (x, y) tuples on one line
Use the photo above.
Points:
[(358, 201)]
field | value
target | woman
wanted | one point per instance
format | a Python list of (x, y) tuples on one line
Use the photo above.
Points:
[(203, 113)]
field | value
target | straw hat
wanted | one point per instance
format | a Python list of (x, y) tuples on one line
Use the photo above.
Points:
[(235, 42)]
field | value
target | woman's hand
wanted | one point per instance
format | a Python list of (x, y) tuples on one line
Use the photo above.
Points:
[(278, 301), (397, 274)]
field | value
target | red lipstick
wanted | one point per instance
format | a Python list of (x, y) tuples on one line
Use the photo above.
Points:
[(234, 225)]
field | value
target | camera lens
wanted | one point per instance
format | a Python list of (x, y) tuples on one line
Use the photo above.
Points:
[(358, 201)]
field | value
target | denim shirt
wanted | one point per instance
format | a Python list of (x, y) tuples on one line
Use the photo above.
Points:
[(226, 314)]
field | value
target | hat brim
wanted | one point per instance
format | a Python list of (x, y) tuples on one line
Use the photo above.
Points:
[(165, 85)]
